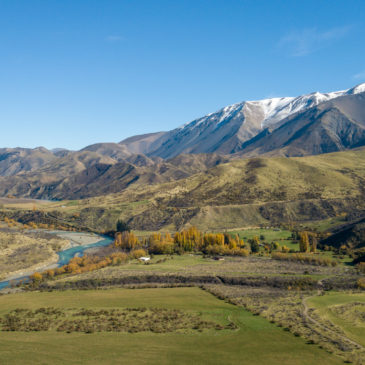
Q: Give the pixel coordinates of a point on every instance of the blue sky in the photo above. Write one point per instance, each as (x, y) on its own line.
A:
(73, 73)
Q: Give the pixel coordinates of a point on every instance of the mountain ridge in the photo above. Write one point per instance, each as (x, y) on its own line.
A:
(331, 126)
(227, 129)
(315, 124)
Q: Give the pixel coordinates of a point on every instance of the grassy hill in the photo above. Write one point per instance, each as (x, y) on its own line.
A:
(240, 193)
(247, 193)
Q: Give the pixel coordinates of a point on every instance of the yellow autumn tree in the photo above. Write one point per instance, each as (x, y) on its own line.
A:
(304, 242)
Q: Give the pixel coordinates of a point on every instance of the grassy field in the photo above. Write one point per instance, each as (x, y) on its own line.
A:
(344, 310)
(197, 265)
(166, 263)
(270, 235)
(256, 341)
(323, 225)
(344, 259)
(20, 203)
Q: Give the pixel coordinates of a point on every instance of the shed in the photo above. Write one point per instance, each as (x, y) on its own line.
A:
(144, 258)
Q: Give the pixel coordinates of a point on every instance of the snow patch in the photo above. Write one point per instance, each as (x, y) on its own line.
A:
(357, 89)
(273, 109)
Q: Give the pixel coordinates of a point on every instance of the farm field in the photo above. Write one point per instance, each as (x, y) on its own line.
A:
(197, 265)
(281, 236)
(243, 345)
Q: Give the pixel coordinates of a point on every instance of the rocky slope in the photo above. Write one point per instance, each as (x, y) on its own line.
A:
(226, 130)
(332, 126)
(86, 174)
(16, 160)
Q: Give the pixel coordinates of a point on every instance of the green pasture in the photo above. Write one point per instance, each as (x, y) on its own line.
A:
(350, 323)
(256, 341)
(281, 236)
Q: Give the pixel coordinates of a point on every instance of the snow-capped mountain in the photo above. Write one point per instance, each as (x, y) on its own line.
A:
(306, 125)
(334, 125)
(227, 129)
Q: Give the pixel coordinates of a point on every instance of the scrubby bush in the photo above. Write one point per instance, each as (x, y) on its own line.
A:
(361, 267)
(255, 244)
(118, 258)
(36, 277)
(130, 320)
(50, 274)
(361, 283)
(161, 247)
(122, 226)
(136, 254)
(304, 258)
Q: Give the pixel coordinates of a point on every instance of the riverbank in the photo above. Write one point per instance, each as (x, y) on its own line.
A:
(49, 264)
(25, 251)
(74, 239)
(78, 239)
(75, 243)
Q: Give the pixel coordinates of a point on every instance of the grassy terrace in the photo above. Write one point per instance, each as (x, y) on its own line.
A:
(347, 311)
(190, 265)
(256, 341)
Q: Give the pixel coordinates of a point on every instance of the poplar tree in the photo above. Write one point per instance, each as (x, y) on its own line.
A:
(304, 242)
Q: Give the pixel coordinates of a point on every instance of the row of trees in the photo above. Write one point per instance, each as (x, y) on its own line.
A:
(78, 265)
(210, 243)
(185, 241)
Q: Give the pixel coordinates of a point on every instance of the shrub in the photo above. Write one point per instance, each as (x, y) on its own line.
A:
(136, 254)
(361, 283)
(238, 252)
(214, 250)
(361, 267)
(255, 244)
(50, 274)
(304, 258)
(118, 258)
(160, 248)
(122, 226)
(36, 277)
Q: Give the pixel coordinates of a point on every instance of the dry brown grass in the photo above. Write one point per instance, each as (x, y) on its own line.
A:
(22, 251)
(132, 320)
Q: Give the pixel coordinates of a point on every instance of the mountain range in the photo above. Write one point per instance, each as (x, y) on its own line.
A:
(310, 124)
(229, 129)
